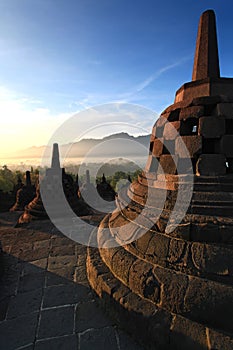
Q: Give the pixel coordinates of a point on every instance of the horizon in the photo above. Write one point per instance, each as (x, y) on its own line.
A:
(89, 54)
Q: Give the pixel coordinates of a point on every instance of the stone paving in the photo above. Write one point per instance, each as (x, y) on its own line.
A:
(45, 298)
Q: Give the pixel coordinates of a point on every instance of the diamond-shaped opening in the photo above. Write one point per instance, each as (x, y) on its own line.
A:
(174, 115)
(151, 147)
(189, 127)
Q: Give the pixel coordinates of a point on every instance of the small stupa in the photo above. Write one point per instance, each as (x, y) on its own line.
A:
(105, 190)
(87, 190)
(24, 194)
(35, 210)
(164, 268)
(18, 186)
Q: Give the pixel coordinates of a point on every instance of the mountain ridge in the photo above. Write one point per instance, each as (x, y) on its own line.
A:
(82, 147)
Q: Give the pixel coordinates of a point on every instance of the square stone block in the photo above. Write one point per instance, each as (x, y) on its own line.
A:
(206, 100)
(224, 109)
(191, 112)
(226, 145)
(171, 130)
(211, 127)
(157, 147)
(211, 165)
(192, 144)
(168, 163)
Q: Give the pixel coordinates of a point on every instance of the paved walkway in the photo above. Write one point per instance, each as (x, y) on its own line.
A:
(45, 298)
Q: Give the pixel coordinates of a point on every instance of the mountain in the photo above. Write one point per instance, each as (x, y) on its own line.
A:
(107, 146)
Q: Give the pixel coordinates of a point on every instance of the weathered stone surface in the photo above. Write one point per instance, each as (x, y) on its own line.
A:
(56, 322)
(177, 250)
(171, 130)
(61, 343)
(193, 146)
(61, 261)
(212, 259)
(191, 112)
(173, 289)
(143, 282)
(225, 110)
(64, 294)
(211, 127)
(19, 331)
(205, 232)
(121, 264)
(24, 303)
(158, 249)
(188, 335)
(168, 164)
(31, 282)
(207, 100)
(211, 165)
(212, 299)
(226, 145)
(206, 62)
(143, 242)
(98, 339)
(157, 149)
(219, 341)
(88, 315)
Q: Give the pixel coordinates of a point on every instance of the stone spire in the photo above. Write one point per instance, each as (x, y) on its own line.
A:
(206, 62)
(28, 178)
(55, 157)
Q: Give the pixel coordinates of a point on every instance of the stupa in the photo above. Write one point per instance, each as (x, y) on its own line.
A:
(18, 186)
(24, 194)
(164, 268)
(35, 210)
(105, 190)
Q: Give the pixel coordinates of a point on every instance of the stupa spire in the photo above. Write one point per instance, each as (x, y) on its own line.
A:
(206, 62)
(55, 157)
(28, 178)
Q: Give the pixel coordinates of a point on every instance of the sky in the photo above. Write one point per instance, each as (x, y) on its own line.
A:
(60, 57)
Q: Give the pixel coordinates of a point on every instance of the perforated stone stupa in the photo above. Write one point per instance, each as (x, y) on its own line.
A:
(35, 210)
(24, 193)
(165, 264)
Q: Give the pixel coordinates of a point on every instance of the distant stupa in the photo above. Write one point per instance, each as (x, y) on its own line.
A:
(168, 277)
(35, 210)
(24, 194)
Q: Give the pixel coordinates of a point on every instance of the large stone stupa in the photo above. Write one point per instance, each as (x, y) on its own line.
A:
(164, 268)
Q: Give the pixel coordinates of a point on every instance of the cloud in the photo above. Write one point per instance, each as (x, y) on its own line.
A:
(144, 84)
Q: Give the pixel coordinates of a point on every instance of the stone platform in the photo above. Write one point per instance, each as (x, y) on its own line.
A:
(45, 298)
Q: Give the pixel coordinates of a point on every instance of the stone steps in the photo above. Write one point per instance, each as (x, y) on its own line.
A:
(150, 324)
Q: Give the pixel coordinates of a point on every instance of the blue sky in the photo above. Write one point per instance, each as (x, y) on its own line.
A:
(59, 57)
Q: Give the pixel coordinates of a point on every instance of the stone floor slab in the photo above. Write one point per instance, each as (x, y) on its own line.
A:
(61, 343)
(18, 332)
(98, 339)
(56, 322)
